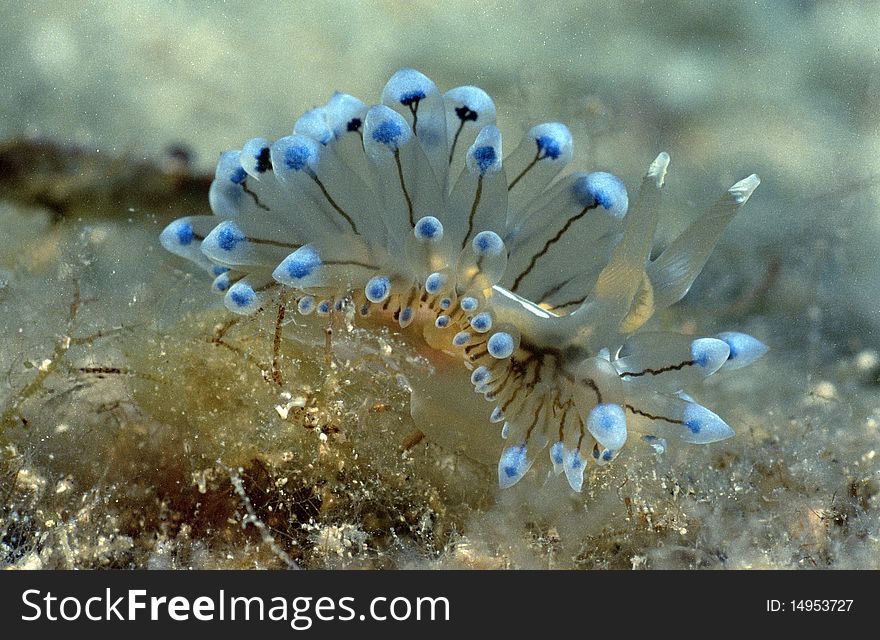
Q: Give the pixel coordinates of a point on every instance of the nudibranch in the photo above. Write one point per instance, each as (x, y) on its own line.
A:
(539, 283)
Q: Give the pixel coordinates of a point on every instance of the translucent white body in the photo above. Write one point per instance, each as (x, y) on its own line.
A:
(538, 283)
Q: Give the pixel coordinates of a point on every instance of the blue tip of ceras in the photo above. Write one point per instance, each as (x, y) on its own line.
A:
(300, 264)
(255, 157)
(434, 282)
(306, 305)
(484, 155)
(298, 156)
(607, 424)
(241, 298)
(548, 146)
(485, 158)
(324, 308)
(344, 114)
(229, 168)
(557, 453)
(238, 176)
(387, 132)
(470, 104)
(461, 338)
(744, 349)
(313, 123)
(709, 353)
(703, 426)
(303, 262)
(221, 283)
(487, 243)
(553, 140)
(184, 233)
(411, 97)
(601, 189)
(228, 235)
(481, 322)
(513, 465)
(500, 345)
(428, 228)
(293, 154)
(574, 466)
(177, 234)
(377, 289)
(407, 87)
(480, 375)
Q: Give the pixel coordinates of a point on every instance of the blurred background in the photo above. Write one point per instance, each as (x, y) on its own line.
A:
(103, 101)
(789, 89)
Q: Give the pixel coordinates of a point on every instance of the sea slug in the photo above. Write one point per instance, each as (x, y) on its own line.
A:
(409, 210)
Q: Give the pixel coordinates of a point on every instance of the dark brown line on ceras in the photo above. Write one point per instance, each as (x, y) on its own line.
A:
(654, 372)
(410, 301)
(254, 196)
(409, 203)
(550, 243)
(592, 384)
(353, 263)
(522, 369)
(529, 385)
(414, 110)
(513, 395)
(475, 345)
(500, 387)
(274, 243)
(570, 302)
(565, 409)
(552, 290)
(334, 205)
(652, 417)
(455, 140)
(535, 418)
(588, 381)
(526, 170)
(474, 206)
